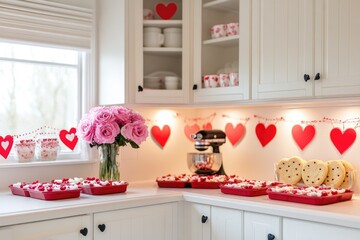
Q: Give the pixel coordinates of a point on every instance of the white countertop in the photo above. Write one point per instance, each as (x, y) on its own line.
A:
(17, 209)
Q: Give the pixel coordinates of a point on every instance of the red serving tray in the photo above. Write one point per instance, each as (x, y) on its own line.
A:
(19, 191)
(244, 192)
(172, 184)
(55, 195)
(104, 189)
(206, 185)
(310, 200)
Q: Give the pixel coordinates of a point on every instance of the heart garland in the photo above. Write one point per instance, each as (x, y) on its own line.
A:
(207, 126)
(234, 134)
(342, 140)
(302, 136)
(265, 134)
(6, 144)
(69, 138)
(188, 130)
(166, 11)
(161, 136)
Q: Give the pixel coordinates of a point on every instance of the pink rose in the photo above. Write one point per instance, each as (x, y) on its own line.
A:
(122, 114)
(135, 131)
(106, 132)
(86, 130)
(103, 115)
(135, 117)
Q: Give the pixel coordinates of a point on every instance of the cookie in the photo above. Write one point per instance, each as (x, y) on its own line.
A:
(314, 172)
(336, 174)
(289, 170)
(349, 175)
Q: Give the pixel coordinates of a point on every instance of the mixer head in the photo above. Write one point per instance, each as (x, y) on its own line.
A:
(209, 138)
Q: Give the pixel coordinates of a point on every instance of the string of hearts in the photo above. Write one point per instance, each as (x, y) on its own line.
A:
(69, 138)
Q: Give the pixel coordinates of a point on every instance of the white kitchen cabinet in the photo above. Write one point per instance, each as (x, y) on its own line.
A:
(158, 222)
(71, 228)
(305, 48)
(298, 230)
(197, 221)
(147, 66)
(226, 224)
(221, 55)
(261, 226)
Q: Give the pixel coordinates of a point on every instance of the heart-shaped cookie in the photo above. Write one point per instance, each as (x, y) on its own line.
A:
(336, 174)
(289, 170)
(314, 172)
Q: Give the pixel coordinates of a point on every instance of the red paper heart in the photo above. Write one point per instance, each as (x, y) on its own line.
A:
(161, 135)
(207, 126)
(342, 140)
(265, 135)
(69, 138)
(302, 136)
(234, 134)
(6, 144)
(166, 12)
(191, 130)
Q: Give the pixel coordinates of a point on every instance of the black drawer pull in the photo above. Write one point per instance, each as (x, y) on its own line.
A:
(204, 219)
(271, 236)
(84, 231)
(102, 227)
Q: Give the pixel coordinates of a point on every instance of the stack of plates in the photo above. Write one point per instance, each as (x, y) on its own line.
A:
(162, 80)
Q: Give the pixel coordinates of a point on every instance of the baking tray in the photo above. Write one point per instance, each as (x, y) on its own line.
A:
(244, 191)
(55, 195)
(104, 189)
(19, 191)
(310, 199)
(173, 184)
(206, 185)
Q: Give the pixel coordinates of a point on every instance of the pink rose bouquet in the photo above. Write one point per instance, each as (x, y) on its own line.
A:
(114, 124)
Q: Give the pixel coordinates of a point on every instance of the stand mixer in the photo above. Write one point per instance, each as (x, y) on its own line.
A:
(207, 163)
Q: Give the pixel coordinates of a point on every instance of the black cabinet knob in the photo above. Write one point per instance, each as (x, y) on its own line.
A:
(204, 219)
(84, 231)
(140, 88)
(270, 236)
(306, 77)
(102, 227)
(194, 86)
(317, 76)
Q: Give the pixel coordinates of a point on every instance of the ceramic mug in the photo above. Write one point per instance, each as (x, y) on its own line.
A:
(173, 37)
(234, 79)
(224, 80)
(153, 37)
(148, 14)
(232, 29)
(211, 81)
(218, 31)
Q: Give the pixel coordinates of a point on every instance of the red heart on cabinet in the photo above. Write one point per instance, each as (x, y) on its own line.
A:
(166, 11)
(207, 126)
(342, 140)
(265, 134)
(234, 134)
(69, 138)
(6, 144)
(302, 136)
(188, 130)
(161, 136)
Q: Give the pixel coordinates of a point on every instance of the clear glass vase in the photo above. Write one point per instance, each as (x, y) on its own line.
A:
(108, 166)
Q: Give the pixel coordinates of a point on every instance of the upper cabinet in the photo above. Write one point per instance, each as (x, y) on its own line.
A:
(305, 48)
(159, 60)
(221, 37)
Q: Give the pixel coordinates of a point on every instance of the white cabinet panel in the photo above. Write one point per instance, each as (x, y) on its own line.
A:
(197, 221)
(157, 222)
(226, 224)
(300, 230)
(259, 226)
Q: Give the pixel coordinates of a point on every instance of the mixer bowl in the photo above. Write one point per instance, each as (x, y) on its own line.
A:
(204, 163)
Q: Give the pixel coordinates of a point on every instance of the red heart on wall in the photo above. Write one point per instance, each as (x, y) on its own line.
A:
(6, 144)
(161, 136)
(234, 134)
(265, 134)
(188, 130)
(207, 126)
(166, 11)
(302, 136)
(69, 138)
(342, 140)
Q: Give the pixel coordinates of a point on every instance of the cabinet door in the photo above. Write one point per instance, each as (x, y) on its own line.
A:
(337, 47)
(59, 229)
(282, 48)
(261, 226)
(151, 222)
(226, 224)
(299, 230)
(197, 221)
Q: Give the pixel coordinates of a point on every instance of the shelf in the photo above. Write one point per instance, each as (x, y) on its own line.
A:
(223, 42)
(162, 23)
(163, 51)
(223, 5)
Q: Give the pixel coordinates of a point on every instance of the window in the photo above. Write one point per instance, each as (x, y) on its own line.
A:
(41, 93)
